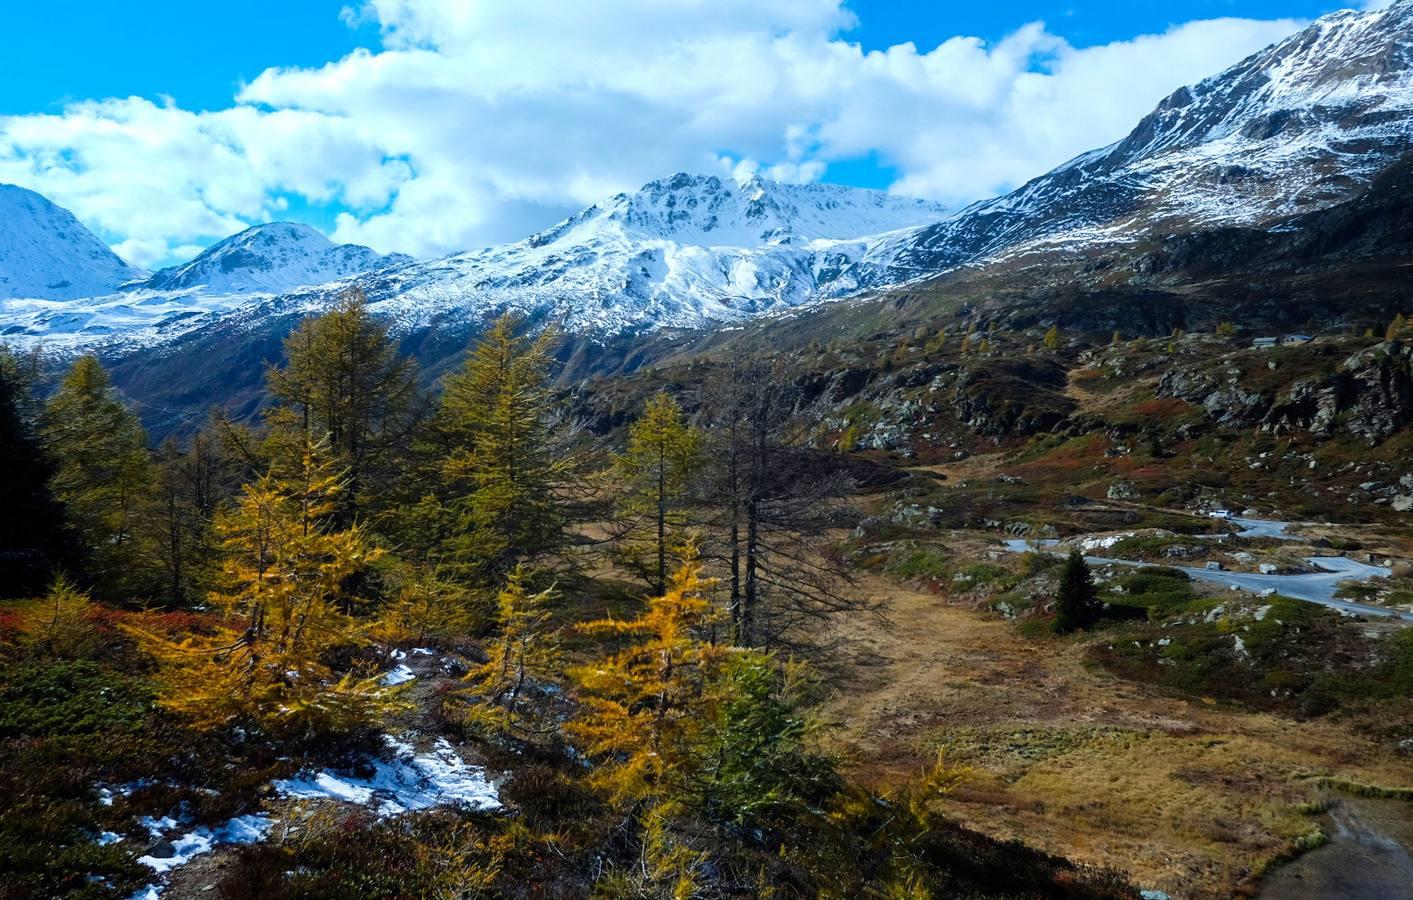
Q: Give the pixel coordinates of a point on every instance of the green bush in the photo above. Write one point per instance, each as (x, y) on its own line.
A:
(69, 697)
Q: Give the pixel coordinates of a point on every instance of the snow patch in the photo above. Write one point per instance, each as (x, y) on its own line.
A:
(410, 781)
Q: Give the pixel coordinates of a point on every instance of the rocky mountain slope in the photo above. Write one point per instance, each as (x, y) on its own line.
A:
(1298, 126)
(46, 253)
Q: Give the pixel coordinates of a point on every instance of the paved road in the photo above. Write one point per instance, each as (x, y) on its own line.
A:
(1315, 587)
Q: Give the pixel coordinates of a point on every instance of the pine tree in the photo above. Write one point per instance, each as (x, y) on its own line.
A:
(1076, 606)
(503, 474)
(345, 383)
(662, 455)
(282, 609)
(102, 472)
(525, 650)
(34, 541)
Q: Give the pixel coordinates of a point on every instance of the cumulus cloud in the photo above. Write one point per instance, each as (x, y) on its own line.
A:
(476, 123)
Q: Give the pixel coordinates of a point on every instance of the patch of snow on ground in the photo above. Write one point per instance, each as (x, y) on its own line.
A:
(246, 829)
(411, 781)
(399, 675)
(1106, 542)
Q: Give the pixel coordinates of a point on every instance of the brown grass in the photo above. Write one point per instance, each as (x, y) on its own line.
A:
(1189, 796)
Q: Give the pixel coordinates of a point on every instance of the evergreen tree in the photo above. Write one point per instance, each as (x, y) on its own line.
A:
(33, 539)
(502, 474)
(345, 383)
(662, 455)
(102, 472)
(1076, 605)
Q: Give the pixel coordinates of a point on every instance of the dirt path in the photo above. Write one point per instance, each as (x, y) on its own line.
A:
(1188, 796)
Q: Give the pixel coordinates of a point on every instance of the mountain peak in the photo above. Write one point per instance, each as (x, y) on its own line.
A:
(713, 211)
(46, 253)
(272, 257)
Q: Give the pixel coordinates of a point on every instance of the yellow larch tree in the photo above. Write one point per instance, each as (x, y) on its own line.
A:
(281, 603)
(525, 652)
(641, 707)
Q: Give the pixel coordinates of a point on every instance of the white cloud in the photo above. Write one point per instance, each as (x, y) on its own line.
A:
(480, 122)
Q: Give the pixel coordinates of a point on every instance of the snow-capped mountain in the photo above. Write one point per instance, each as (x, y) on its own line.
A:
(270, 259)
(260, 262)
(1301, 126)
(1298, 126)
(45, 252)
(681, 251)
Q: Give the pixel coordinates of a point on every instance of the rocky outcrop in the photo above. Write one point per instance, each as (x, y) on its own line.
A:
(1227, 404)
(1380, 387)
(1371, 397)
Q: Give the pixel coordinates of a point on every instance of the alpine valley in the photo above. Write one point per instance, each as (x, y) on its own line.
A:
(731, 537)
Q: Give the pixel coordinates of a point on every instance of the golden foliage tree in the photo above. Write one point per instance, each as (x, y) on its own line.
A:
(642, 705)
(525, 651)
(281, 605)
(344, 382)
(1052, 338)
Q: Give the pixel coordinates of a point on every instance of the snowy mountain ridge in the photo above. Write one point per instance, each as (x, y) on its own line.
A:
(1300, 125)
(261, 261)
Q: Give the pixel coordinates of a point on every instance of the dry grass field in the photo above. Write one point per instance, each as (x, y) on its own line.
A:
(1192, 797)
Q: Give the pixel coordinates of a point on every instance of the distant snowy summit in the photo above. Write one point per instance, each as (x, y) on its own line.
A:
(46, 253)
(681, 251)
(124, 307)
(270, 259)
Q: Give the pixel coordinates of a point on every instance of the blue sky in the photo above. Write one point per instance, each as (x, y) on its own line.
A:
(480, 127)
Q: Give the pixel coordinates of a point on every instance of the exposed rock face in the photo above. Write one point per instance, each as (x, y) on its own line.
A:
(1227, 404)
(1371, 397)
(1380, 384)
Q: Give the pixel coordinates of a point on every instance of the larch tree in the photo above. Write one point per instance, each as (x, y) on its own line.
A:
(524, 653)
(344, 382)
(656, 469)
(777, 503)
(281, 602)
(641, 706)
(102, 471)
(34, 541)
(502, 473)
